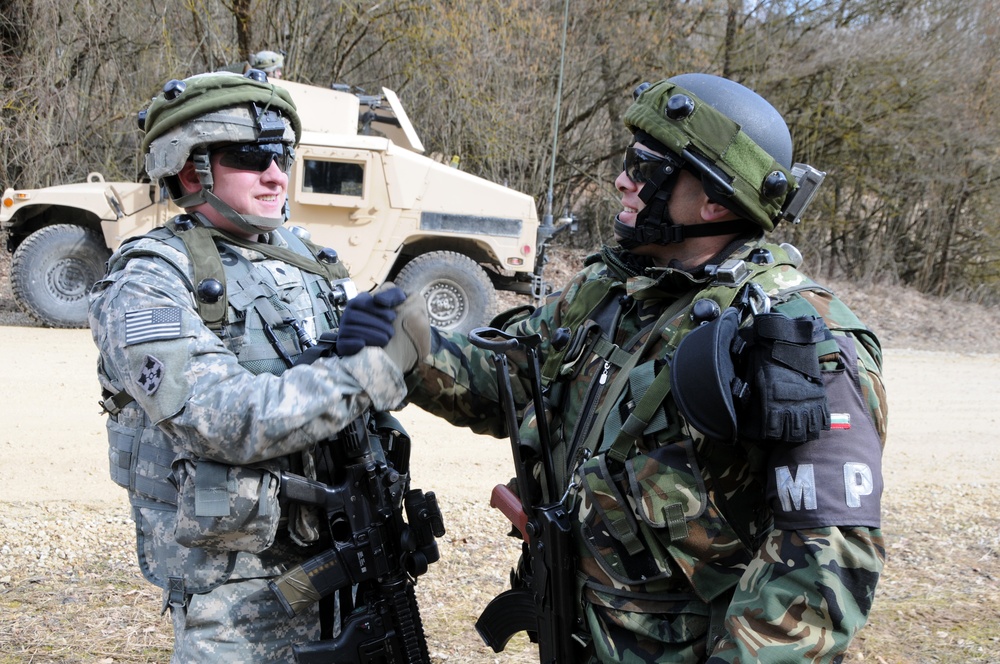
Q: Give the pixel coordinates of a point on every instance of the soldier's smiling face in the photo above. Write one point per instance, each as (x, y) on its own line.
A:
(251, 192)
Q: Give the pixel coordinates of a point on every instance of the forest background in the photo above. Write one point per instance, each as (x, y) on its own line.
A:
(897, 100)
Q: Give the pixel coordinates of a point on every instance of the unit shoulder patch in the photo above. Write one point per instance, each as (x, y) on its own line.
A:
(150, 376)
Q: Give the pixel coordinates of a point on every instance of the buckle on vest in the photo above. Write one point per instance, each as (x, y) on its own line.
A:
(112, 404)
(732, 272)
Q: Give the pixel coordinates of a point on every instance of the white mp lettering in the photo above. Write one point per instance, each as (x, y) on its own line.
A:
(798, 492)
(857, 482)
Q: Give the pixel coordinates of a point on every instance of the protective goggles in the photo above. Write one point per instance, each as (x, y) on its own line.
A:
(256, 156)
(640, 165)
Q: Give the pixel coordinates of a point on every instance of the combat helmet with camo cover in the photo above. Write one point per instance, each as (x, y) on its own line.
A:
(193, 116)
(733, 139)
(268, 62)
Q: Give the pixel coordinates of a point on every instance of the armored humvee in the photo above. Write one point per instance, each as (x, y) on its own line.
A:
(360, 184)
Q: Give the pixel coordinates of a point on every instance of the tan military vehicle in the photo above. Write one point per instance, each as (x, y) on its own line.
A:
(360, 185)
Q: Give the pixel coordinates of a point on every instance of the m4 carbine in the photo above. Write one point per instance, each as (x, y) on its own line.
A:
(541, 600)
(375, 553)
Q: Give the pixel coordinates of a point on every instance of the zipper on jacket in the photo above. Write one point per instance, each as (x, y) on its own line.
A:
(587, 416)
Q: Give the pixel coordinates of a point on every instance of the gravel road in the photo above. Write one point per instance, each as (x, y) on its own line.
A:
(944, 414)
(70, 591)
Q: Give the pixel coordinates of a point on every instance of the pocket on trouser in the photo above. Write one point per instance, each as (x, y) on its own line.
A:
(240, 621)
(226, 508)
(626, 628)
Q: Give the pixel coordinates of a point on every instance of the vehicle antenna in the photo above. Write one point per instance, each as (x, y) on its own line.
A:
(547, 219)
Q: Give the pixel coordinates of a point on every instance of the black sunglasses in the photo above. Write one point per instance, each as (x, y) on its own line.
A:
(256, 156)
(640, 165)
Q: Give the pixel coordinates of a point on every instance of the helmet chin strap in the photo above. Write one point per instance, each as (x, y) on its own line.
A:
(248, 223)
(653, 224)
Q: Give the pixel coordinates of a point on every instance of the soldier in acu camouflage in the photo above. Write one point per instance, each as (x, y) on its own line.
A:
(199, 325)
(717, 416)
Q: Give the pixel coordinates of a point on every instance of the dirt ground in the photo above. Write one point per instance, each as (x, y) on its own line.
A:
(939, 600)
(944, 414)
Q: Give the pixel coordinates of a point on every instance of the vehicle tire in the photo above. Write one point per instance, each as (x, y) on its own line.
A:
(52, 271)
(459, 294)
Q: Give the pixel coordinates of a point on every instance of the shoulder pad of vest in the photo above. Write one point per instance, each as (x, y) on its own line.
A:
(160, 243)
(822, 303)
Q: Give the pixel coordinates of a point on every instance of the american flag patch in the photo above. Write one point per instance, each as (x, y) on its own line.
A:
(840, 420)
(152, 324)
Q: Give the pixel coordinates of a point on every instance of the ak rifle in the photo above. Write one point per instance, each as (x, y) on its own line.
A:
(541, 600)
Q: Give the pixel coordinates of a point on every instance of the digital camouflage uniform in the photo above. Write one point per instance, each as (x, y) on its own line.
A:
(203, 410)
(216, 395)
(774, 545)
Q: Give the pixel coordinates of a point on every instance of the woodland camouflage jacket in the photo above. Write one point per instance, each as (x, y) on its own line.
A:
(679, 521)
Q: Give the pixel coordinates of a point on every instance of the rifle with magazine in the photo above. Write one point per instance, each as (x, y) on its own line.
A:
(541, 600)
(375, 553)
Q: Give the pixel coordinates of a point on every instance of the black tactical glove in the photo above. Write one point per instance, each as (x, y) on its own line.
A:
(367, 320)
(786, 400)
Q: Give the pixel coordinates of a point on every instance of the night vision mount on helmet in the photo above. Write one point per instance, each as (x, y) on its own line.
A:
(733, 139)
(191, 117)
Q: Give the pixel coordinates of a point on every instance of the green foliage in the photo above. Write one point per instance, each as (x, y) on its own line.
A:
(895, 99)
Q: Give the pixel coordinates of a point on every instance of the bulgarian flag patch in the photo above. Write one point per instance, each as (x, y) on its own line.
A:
(840, 420)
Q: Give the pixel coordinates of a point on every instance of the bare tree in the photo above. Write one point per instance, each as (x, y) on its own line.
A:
(896, 99)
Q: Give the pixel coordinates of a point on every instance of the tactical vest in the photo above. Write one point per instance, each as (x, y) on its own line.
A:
(592, 311)
(262, 312)
(610, 438)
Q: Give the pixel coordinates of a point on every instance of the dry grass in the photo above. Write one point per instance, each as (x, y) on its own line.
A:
(939, 600)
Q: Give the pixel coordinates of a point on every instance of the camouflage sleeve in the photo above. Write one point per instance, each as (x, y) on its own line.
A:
(843, 321)
(803, 597)
(193, 387)
(809, 588)
(458, 381)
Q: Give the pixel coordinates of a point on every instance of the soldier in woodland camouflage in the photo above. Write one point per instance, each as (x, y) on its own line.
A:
(717, 417)
(199, 325)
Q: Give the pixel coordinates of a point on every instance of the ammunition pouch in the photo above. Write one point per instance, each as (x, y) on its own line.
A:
(650, 522)
(226, 508)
